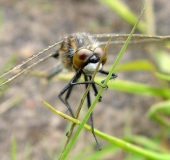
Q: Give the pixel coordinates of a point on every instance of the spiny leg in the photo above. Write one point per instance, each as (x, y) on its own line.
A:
(66, 100)
(95, 90)
(91, 115)
(69, 88)
(106, 73)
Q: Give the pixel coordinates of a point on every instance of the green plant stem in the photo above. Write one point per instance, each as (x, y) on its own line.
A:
(113, 140)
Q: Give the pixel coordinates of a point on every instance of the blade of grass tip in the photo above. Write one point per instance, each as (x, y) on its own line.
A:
(54, 110)
(113, 140)
(70, 145)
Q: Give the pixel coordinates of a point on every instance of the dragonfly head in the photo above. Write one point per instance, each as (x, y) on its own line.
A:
(88, 59)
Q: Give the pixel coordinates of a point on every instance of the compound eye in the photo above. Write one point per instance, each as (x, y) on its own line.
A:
(98, 52)
(81, 57)
(84, 54)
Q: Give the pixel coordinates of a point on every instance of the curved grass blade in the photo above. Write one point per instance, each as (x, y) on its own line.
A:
(113, 140)
(137, 88)
(124, 11)
(160, 112)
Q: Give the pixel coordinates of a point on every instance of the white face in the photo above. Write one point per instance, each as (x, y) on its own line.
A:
(90, 68)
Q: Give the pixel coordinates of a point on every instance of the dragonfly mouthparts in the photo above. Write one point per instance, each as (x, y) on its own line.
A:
(94, 59)
(91, 67)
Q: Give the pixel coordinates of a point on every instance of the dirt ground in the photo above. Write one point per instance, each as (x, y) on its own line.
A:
(28, 27)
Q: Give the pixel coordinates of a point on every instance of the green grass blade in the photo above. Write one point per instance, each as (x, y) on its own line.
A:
(123, 10)
(113, 140)
(147, 143)
(27, 151)
(163, 60)
(136, 88)
(163, 76)
(14, 149)
(106, 151)
(141, 64)
(160, 112)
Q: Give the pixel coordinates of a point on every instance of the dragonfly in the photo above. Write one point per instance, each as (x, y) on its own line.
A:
(80, 53)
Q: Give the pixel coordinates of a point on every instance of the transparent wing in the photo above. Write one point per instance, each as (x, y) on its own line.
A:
(20, 82)
(21, 71)
(24, 75)
(103, 39)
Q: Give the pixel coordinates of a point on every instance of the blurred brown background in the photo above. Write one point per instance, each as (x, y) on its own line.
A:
(30, 26)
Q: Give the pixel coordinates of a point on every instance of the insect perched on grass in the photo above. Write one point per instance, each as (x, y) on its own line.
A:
(81, 53)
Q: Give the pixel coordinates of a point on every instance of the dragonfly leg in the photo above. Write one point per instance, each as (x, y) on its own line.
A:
(69, 88)
(106, 73)
(91, 115)
(95, 90)
(66, 100)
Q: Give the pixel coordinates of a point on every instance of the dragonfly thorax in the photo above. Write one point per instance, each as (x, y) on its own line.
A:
(81, 51)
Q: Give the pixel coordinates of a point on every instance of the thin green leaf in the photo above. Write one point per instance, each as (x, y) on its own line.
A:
(163, 60)
(113, 140)
(27, 151)
(141, 64)
(163, 76)
(124, 11)
(136, 88)
(147, 143)
(106, 151)
(83, 153)
(160, 112)
(14, 149)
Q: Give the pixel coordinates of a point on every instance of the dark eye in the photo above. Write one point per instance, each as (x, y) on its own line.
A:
(98, 52)
(84, 54)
